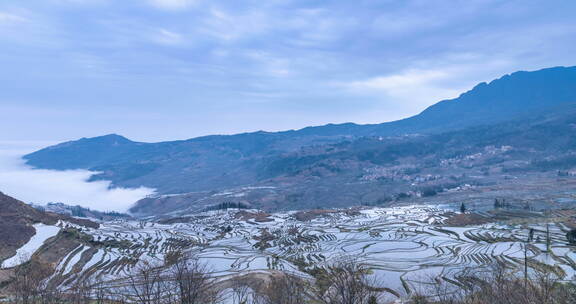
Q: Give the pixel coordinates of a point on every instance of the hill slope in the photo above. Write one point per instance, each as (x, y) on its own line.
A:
(16, 220)
(220, 162)
(511, 96)
(380, 170)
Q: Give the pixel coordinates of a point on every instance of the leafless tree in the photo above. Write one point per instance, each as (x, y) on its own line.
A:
(284, 288)
(29, 284)
(80, 292)
(501, 284)
(241, 293)
(347, 282)
(193, 282)
(100, 293)
(146, 285)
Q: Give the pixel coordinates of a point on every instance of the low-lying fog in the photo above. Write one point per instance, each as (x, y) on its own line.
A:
(70, 187)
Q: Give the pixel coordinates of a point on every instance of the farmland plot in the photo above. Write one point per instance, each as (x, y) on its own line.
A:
(403, 246)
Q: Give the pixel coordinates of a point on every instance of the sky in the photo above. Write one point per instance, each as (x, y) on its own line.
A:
(155, 70)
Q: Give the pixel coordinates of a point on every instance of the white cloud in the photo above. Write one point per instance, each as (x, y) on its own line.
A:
(80, 2)
(229, 27)
(413, 87)
(406, 78)
(270, 64)
(6, 18)
(167, 37)
(172, 4)
(391, 25)
(69, 187)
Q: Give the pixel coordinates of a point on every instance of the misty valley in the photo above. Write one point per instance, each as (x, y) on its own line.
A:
(287, 152)
(425, 210)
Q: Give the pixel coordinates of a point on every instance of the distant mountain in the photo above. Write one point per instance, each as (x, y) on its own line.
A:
(380, 170)
(476, 119)
(509, 97)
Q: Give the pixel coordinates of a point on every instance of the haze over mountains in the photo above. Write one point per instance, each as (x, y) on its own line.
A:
(509, 125)
(503, 155)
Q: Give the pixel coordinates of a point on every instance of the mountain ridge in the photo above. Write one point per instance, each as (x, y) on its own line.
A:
(217, 162)
(552, 73)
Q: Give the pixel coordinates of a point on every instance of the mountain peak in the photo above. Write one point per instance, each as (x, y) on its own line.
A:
(109, 138)
(218, 162)
(78, 151)
(508, 97)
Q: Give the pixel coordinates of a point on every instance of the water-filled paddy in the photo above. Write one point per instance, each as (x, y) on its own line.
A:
(403, 245)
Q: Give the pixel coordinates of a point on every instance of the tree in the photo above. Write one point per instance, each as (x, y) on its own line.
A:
(501, 203)
(193, 283)
(499, 283)
(571, 236)
(146, 284)
(372, 300)
(29, 285)
(463, 208)
(284, 288)
(548, 239)
(346, 282)
(80, 292)
(241, 292)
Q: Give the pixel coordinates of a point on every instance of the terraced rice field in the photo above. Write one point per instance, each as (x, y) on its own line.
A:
(404, 246)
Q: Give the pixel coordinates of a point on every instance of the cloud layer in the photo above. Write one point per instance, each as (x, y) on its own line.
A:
(166, 69)
(69, 187)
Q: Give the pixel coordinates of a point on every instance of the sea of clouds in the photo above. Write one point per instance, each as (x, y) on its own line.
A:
(70, 187)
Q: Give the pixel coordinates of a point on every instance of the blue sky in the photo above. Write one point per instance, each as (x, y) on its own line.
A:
(172, 69)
